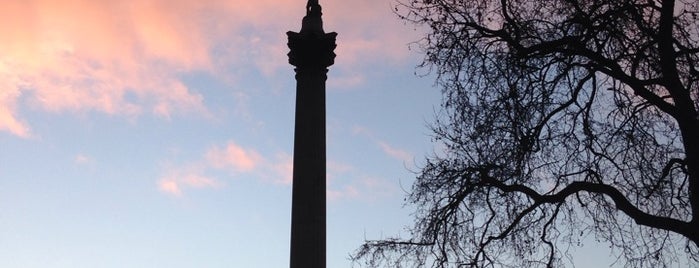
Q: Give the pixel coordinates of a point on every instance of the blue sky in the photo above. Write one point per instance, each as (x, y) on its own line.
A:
(159, 133)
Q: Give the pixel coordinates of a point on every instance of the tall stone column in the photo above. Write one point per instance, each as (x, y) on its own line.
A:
(312, 54)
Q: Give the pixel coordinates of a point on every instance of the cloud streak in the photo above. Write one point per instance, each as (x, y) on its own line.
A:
(235, 157)
(395, 153)
(178, 179)
(347, 186)
(232, 159)
(8, 118)
(386, 148)
(82, 159)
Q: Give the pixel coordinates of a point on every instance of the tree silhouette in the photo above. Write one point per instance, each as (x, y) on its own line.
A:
(562, 120)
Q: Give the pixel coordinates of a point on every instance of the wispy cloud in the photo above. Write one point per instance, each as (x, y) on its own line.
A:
(347, 192)
(170, 186)
(177, 179)
(396, 153)
(221, 165)
(388, 149)
(231, 158)
(82, 159)
(8, 118)
(237, 159)
(346, 182)
(283, 169)
(234, 157)
(350, 186)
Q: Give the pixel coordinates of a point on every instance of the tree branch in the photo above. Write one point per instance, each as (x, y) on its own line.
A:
(621, 202)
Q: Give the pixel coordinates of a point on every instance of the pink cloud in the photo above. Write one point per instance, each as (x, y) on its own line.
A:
(388, 149)
(235, 160)
(82, 159)
(362, 187)
(377, 187)
(360, 130)
(8, 119)
(283, 169)
(170, 187)
(348, 192)
(79, 55)
(342, 184)
(335, 167)
(176, 180)
(346, 81)
(235, 157)
(345, 183)
(199, 181)
(126, 57)
(232, 158)
(396, 153)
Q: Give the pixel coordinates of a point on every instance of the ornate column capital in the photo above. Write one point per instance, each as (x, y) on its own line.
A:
(311, 50)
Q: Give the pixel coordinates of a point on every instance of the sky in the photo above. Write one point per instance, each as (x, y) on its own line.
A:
(160, 133)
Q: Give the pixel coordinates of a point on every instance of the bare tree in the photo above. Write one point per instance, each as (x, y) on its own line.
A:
(561, 119)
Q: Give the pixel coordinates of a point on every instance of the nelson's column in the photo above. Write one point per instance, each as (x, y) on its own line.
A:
(312, 54)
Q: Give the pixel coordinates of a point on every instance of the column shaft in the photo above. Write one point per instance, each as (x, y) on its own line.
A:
(308, 200)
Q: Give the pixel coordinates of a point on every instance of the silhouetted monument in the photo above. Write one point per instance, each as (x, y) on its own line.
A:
(312, 54)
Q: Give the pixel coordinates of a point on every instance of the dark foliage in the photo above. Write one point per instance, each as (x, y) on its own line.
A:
(561, 119)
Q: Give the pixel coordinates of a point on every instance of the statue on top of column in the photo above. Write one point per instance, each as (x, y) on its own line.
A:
(311, 5)
(312, 22)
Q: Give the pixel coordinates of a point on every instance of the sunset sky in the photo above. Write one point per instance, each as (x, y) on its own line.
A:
(159, 133)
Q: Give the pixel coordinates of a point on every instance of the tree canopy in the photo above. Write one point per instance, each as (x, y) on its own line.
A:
(562, 120)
